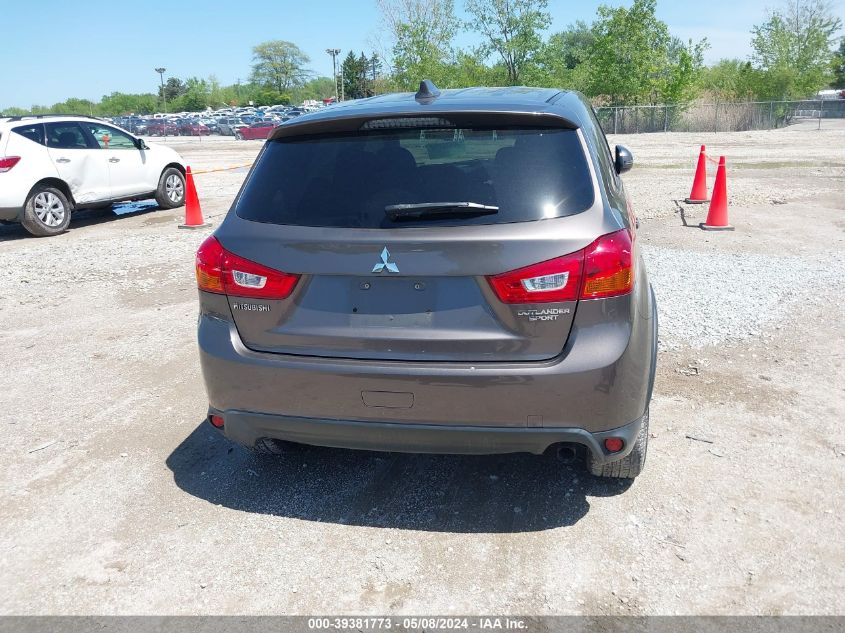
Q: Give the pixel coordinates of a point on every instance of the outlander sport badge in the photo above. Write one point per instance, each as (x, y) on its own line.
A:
(384, 263)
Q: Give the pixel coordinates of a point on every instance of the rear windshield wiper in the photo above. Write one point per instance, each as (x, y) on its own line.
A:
(422, 210)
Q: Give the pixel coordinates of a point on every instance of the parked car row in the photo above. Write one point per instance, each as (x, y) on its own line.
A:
(226, 122)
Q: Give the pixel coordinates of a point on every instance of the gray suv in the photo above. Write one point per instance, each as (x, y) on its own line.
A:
(447, 272)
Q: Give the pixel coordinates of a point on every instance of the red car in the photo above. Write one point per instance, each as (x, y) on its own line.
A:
(258, 130)
(193, 128)
(162, 127)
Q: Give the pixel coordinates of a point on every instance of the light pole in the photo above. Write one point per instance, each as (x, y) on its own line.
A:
(334, 52)
(161, 72)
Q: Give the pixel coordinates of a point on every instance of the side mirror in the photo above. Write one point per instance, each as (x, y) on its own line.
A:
(624, 159)
(140, 144)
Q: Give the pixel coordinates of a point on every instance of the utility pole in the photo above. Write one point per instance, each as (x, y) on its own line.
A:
(334, 52)
(161, 72)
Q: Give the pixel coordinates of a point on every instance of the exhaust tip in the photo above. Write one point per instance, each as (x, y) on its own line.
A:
(566, 454)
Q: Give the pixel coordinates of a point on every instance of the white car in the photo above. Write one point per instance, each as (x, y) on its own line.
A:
(52, 165)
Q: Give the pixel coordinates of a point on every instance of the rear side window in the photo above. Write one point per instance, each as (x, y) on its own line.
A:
(347, 180)
(33, 132)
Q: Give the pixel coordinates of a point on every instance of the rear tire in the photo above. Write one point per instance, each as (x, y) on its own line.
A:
(171, 189)
(268, 446)
(628, 467)
(239, 136)
(46, 212)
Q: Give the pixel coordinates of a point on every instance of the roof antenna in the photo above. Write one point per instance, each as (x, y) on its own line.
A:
(428, 92)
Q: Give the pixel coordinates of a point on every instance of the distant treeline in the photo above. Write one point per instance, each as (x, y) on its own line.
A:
(625, 56)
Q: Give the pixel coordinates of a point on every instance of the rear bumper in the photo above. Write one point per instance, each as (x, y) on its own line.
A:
(601, 381)
(246, 428)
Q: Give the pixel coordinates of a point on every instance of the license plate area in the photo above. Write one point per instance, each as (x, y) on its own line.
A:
(398, 302)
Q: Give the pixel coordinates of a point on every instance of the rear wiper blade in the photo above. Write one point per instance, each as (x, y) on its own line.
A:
(421, 210)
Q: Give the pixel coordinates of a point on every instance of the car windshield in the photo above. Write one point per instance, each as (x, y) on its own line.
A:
(349, 180)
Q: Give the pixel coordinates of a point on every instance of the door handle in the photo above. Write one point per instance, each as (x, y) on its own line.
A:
(114, 160)
(62, 160)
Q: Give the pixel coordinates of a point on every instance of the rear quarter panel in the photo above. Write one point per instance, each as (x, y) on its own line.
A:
(35, 165)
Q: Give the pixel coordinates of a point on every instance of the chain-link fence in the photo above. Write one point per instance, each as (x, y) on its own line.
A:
(717, 117)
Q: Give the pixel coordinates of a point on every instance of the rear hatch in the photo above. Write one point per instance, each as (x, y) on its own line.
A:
(400, 241)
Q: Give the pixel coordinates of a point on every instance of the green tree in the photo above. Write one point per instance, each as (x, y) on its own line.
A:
(261, 95)
(354, 71)
(634, 59)
(13, 111)
(422, 32)
(173, 89)
(119, 103)
(195, 97)
(374, 66)
(220, 96)
(730, 80)
(571, 47)
(279, 65)
(75, 106)
(679, 79)
(794, 48)
(839, 67)
(563, 60)
(470, 70)
(318, 88)
(512, 29)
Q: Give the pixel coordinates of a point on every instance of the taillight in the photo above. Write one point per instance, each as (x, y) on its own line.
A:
(553, 280)
(222, 272)
(603, 269)
(7, 162)
(608, 266)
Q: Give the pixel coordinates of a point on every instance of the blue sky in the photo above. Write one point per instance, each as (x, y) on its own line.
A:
(69, 49)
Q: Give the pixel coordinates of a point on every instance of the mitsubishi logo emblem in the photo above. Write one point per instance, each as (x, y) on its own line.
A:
(384, 263)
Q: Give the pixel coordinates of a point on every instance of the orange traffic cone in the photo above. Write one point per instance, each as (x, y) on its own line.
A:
(717, 214)
(698, 194)
(193, 212)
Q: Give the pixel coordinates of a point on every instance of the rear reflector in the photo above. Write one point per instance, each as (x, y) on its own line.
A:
(216, 421)
(222, 272)
(603, 269)
(614, 444)
(7, 162)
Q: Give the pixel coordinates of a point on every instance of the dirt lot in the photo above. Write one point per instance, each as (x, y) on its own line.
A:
(117, 499)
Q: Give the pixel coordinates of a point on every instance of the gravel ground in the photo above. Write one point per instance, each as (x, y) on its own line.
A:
(117, 499)
(712, 298)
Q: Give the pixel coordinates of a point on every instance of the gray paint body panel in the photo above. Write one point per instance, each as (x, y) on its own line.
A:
(600, 381)
(312, 357)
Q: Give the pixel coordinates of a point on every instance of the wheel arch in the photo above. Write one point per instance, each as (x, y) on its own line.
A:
(59, 184)
(178, 166)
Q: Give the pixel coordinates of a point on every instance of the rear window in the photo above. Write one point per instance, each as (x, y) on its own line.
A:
(346, 181)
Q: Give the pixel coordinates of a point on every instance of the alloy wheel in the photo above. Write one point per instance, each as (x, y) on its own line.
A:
(49, 208)
(174, 188)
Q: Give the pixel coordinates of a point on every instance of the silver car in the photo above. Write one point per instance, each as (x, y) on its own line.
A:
(449, 272)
